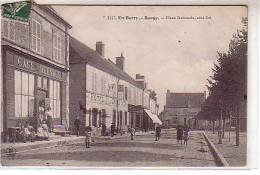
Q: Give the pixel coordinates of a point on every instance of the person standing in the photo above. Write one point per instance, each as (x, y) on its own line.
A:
(77, 125)
(88, 136)
(179, 134)
(103, 130)
(112, 129)
(157, 133)
(132, 132)
(186, 136)
(48, 114)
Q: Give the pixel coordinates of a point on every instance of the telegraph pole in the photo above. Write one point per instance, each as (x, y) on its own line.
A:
(220, 124)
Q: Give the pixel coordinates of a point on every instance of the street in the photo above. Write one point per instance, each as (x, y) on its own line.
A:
(143, 151)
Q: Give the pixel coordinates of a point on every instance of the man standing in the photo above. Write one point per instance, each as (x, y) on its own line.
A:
(179, 134)
(112, 129)
(77, 125)
(157, 133)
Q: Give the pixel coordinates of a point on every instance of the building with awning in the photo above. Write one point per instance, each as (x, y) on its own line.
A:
(153, 117)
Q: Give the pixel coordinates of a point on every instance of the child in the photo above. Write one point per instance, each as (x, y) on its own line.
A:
(88, 137)
(132, 132)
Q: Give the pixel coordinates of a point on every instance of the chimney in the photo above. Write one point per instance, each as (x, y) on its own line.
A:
(168, 98)
(141, 80)
(100, 48)
(120, 62)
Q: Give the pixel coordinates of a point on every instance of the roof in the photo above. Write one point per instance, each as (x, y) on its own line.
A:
(79, 52)
(51, 10)
(179, 100)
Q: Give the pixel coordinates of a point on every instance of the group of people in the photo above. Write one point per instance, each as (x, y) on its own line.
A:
(182, 134)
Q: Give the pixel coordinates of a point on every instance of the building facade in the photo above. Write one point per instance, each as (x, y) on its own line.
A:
(35, 66)
(101, 92)
(181, 108)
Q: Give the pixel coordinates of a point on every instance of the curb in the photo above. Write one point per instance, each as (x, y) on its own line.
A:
(59, 142)
(219, 159)
(41, 144)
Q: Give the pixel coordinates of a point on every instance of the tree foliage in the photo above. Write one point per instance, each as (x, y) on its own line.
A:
(228, 84)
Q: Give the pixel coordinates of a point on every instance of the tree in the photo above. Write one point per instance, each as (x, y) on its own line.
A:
(227, 86)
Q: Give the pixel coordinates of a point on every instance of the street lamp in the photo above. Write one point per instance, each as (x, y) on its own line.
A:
(117, 117)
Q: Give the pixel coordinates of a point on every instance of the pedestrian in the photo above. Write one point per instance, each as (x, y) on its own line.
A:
(132, 132)
(157, 133)
(88, 136)
(77, 125)
(48, 114)
(179, 134)
(112, 129)
(186, 136)
(103, 130)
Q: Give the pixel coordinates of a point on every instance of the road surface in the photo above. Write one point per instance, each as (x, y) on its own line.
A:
(143, 151)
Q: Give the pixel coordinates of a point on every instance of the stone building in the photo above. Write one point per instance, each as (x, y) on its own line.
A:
(35, 65)
(101, 92)
(181, 108)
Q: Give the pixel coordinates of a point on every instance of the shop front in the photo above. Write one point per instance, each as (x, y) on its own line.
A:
(32, 88)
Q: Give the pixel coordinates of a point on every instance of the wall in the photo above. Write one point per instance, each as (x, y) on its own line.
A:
(19, 33)
(77, 89)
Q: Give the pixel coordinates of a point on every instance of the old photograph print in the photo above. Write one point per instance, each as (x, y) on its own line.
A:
(123, 86)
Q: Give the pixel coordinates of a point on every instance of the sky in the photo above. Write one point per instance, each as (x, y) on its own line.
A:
(176, 54)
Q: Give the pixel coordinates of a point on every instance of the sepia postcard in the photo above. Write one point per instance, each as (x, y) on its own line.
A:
(124, 86)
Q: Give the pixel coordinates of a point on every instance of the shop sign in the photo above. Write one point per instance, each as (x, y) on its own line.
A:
(37, 68)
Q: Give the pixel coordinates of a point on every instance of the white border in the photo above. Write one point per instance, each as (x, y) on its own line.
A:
(253, 84)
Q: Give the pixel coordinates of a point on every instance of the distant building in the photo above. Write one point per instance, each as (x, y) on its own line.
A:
(181, 108)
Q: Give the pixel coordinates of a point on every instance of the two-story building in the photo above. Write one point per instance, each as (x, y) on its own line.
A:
(35, 64)
(101, 92)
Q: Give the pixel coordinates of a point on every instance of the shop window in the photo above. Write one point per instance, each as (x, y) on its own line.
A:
(35, 36)
(42, 83)
(54, 96)
(24, 94)
(57, 44)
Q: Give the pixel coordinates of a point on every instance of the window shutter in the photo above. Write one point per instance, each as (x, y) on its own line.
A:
(5, 27)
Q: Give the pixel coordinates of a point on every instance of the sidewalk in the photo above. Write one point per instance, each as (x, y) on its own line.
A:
(234, 155)
(56, 140)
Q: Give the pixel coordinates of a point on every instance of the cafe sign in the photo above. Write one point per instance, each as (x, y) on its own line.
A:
(33, 66)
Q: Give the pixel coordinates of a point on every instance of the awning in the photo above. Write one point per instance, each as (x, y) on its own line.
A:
(154, 117)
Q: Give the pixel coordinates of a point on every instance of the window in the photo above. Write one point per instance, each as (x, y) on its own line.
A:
(94, 81)
(57, 44)
(125, 118)
(42, 83)
(35, 36)
(24, 94)
(9, 29)
(125, 93)
(54, 95)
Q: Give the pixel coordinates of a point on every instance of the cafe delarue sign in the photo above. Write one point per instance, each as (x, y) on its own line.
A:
(38, 68)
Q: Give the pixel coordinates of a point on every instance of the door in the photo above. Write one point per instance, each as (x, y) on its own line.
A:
(41, 96)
